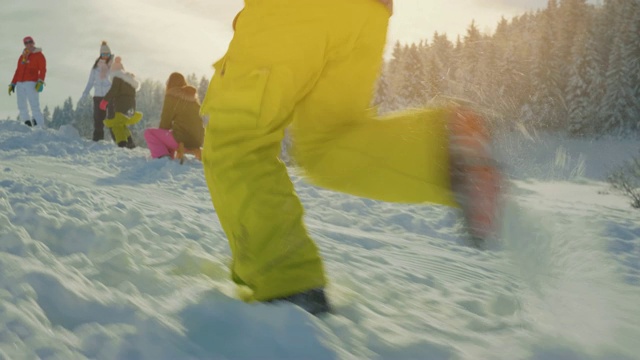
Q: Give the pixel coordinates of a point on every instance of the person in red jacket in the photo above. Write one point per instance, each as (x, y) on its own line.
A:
(28, 82)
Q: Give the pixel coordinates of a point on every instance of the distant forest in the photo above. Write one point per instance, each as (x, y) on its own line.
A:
(571, 67)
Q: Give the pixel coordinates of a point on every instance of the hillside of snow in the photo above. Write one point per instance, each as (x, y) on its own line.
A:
(108, 254)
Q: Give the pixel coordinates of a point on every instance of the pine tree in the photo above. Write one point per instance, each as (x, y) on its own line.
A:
(149, 100)
(619, 110)
(192, 80)
(577, 93)
(585, 95)
(441, 67)
(382, 98)
(488, 81)
(46, 114)
(547, 105)
(62, 116)
(394, 72)
(434, 81)
(570, 24)
(56, 118)
(634, 62)
(203, 86)
(413, 91)
(511, 72)
(469, 58)
(83, 117)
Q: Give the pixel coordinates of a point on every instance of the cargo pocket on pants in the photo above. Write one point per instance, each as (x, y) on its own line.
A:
(235, 95)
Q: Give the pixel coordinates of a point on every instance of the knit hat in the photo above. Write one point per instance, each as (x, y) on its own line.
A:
(104, 48)
(28, 38)
(117, 64)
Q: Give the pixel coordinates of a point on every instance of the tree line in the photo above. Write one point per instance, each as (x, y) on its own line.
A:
(570, 67)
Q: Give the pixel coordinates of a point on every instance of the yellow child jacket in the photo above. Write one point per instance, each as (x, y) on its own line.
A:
(119, 125)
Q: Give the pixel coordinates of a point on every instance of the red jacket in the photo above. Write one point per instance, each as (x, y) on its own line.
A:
(31, 67)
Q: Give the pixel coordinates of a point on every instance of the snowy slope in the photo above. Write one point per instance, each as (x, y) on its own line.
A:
(107, 254)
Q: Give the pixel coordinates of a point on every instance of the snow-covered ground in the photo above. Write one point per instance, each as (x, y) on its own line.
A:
(107, 254)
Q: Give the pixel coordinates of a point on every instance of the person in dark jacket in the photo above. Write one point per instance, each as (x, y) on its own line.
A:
(122, 95)
(180, 121)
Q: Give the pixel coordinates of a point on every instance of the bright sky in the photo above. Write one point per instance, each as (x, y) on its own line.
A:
(416, 19)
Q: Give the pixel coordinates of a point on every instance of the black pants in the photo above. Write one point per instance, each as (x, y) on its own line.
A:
(129, 144)
(98, 117)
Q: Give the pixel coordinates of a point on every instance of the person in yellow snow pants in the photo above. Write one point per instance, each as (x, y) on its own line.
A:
(310, 65)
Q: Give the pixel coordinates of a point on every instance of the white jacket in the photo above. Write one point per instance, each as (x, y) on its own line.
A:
(100, 86)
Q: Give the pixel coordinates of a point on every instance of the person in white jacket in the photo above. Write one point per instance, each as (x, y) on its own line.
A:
(100, 82)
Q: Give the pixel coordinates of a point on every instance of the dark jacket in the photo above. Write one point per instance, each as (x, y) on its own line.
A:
(123, 92)
(181, 115)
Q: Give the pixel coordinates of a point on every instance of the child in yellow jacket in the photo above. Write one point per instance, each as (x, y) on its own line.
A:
(122, 95)
(315, 75)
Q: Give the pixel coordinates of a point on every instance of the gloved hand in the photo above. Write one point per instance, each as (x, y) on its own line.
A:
(12, 88)
(40, 85)
(103, 104)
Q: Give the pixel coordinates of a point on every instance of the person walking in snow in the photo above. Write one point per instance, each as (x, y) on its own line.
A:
(316, 76)
(180, 121)
(122, 95)
(100, 82)
(28, 82)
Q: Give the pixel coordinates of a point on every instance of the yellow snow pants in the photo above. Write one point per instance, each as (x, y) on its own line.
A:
(310, 65)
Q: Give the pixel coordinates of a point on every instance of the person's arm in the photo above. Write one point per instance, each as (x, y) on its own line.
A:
(87, 88)
(42, 67)
(15, 75)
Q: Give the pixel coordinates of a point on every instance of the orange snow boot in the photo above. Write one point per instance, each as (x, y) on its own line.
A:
(476, 179)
